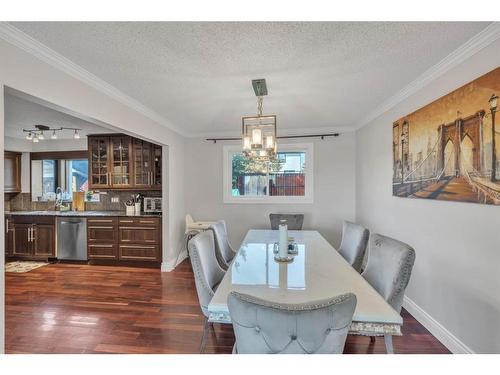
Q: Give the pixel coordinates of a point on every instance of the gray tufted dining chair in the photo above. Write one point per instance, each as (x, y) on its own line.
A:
(223, 250)
(389, 268)
(353, 245)
(293, 221)
(207, 273)
(263, 327)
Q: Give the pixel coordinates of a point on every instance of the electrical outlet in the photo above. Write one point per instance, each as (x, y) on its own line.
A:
(115, 199)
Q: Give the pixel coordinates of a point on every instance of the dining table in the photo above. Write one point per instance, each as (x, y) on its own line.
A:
(316, 272)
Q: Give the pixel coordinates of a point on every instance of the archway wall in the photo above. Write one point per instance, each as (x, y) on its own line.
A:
(39, 74)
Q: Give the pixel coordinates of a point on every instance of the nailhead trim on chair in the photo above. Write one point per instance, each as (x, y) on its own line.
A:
(197, 271)
(293, 307)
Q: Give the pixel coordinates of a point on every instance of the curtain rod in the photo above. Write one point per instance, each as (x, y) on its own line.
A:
(322, 136)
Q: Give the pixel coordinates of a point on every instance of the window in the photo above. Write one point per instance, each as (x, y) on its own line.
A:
(47, 175)
(289, 179)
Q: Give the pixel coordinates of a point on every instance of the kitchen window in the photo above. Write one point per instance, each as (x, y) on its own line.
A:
(71, 175)
(288, 179)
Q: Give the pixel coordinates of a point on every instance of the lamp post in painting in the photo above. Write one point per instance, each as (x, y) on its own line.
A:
(493, 108)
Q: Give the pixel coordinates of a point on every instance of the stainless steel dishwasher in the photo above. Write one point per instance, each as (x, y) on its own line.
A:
(72, 238)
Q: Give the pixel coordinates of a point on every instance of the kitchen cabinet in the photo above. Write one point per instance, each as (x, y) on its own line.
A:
(8, 236)
(139, 239)
(102, 235)
(12, 172)
(143, 163)
(44, 239)
(22, 239)
(33, 237)
(99, 162)
(124, 239)
(123, 162)
(157, 165)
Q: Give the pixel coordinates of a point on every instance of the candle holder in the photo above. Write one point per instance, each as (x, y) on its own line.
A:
(287, 259)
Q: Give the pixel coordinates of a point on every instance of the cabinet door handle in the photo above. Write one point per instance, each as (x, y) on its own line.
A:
(101, 245)
(101, 227)
(100, 220)
(29, 231)
(138, 247)
(7, 226)
(138, 228)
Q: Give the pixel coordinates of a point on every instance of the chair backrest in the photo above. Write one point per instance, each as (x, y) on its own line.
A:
(353, 245)
(189, 222)
(389, 268)
(263, 327)
(293, 221)
(223, 250)
(207, 272)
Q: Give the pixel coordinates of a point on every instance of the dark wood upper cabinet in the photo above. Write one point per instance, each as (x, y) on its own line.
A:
(142, 162)
(123, 162)
(157, 165)
(12, 172)
(99, 162)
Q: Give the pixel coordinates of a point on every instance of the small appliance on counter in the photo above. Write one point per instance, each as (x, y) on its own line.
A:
(152, 205)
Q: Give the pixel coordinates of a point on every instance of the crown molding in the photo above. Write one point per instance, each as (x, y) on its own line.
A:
(478, 42)
(281, 132)
(25, 42)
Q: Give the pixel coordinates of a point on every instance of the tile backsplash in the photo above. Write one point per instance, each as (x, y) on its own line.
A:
(23, 202)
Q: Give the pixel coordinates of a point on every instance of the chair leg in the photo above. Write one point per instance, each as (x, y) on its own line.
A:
(388, 344)
(206, 327)
(372, 339)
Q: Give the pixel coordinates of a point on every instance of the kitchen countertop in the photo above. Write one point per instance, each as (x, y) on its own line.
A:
(75, 213)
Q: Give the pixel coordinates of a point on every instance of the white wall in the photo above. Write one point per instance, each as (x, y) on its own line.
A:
(334, 172)
(456, 278)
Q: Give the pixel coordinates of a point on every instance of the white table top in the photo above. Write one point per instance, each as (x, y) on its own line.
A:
(317, 272)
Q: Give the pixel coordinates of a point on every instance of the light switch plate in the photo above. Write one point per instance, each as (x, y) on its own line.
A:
(115, 199)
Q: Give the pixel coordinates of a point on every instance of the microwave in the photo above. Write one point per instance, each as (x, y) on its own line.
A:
(152, 205)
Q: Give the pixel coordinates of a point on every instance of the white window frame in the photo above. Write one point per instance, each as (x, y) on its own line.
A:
(230, 150)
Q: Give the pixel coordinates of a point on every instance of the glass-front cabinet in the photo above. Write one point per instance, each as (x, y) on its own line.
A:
(120, 172)
(156, 172)
(124, 162)
(99, 162)
(142, 162)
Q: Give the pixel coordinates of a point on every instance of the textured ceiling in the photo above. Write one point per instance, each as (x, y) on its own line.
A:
(197, 75)
(22, 114)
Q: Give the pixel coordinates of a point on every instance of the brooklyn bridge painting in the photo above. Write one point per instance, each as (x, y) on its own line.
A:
(450, 149)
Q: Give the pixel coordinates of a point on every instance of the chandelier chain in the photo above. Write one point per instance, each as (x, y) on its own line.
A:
(260, 101)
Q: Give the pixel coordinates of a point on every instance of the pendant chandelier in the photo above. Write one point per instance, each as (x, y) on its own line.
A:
(258, 133)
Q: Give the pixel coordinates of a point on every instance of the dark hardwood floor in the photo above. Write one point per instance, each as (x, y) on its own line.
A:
(68, 308)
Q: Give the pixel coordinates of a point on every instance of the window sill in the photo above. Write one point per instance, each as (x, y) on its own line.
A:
(288, 200)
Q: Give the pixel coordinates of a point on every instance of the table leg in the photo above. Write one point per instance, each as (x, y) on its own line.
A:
(388, 344)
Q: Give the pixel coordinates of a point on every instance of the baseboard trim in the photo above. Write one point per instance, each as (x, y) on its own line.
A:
(441, 333)
(170, 266)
